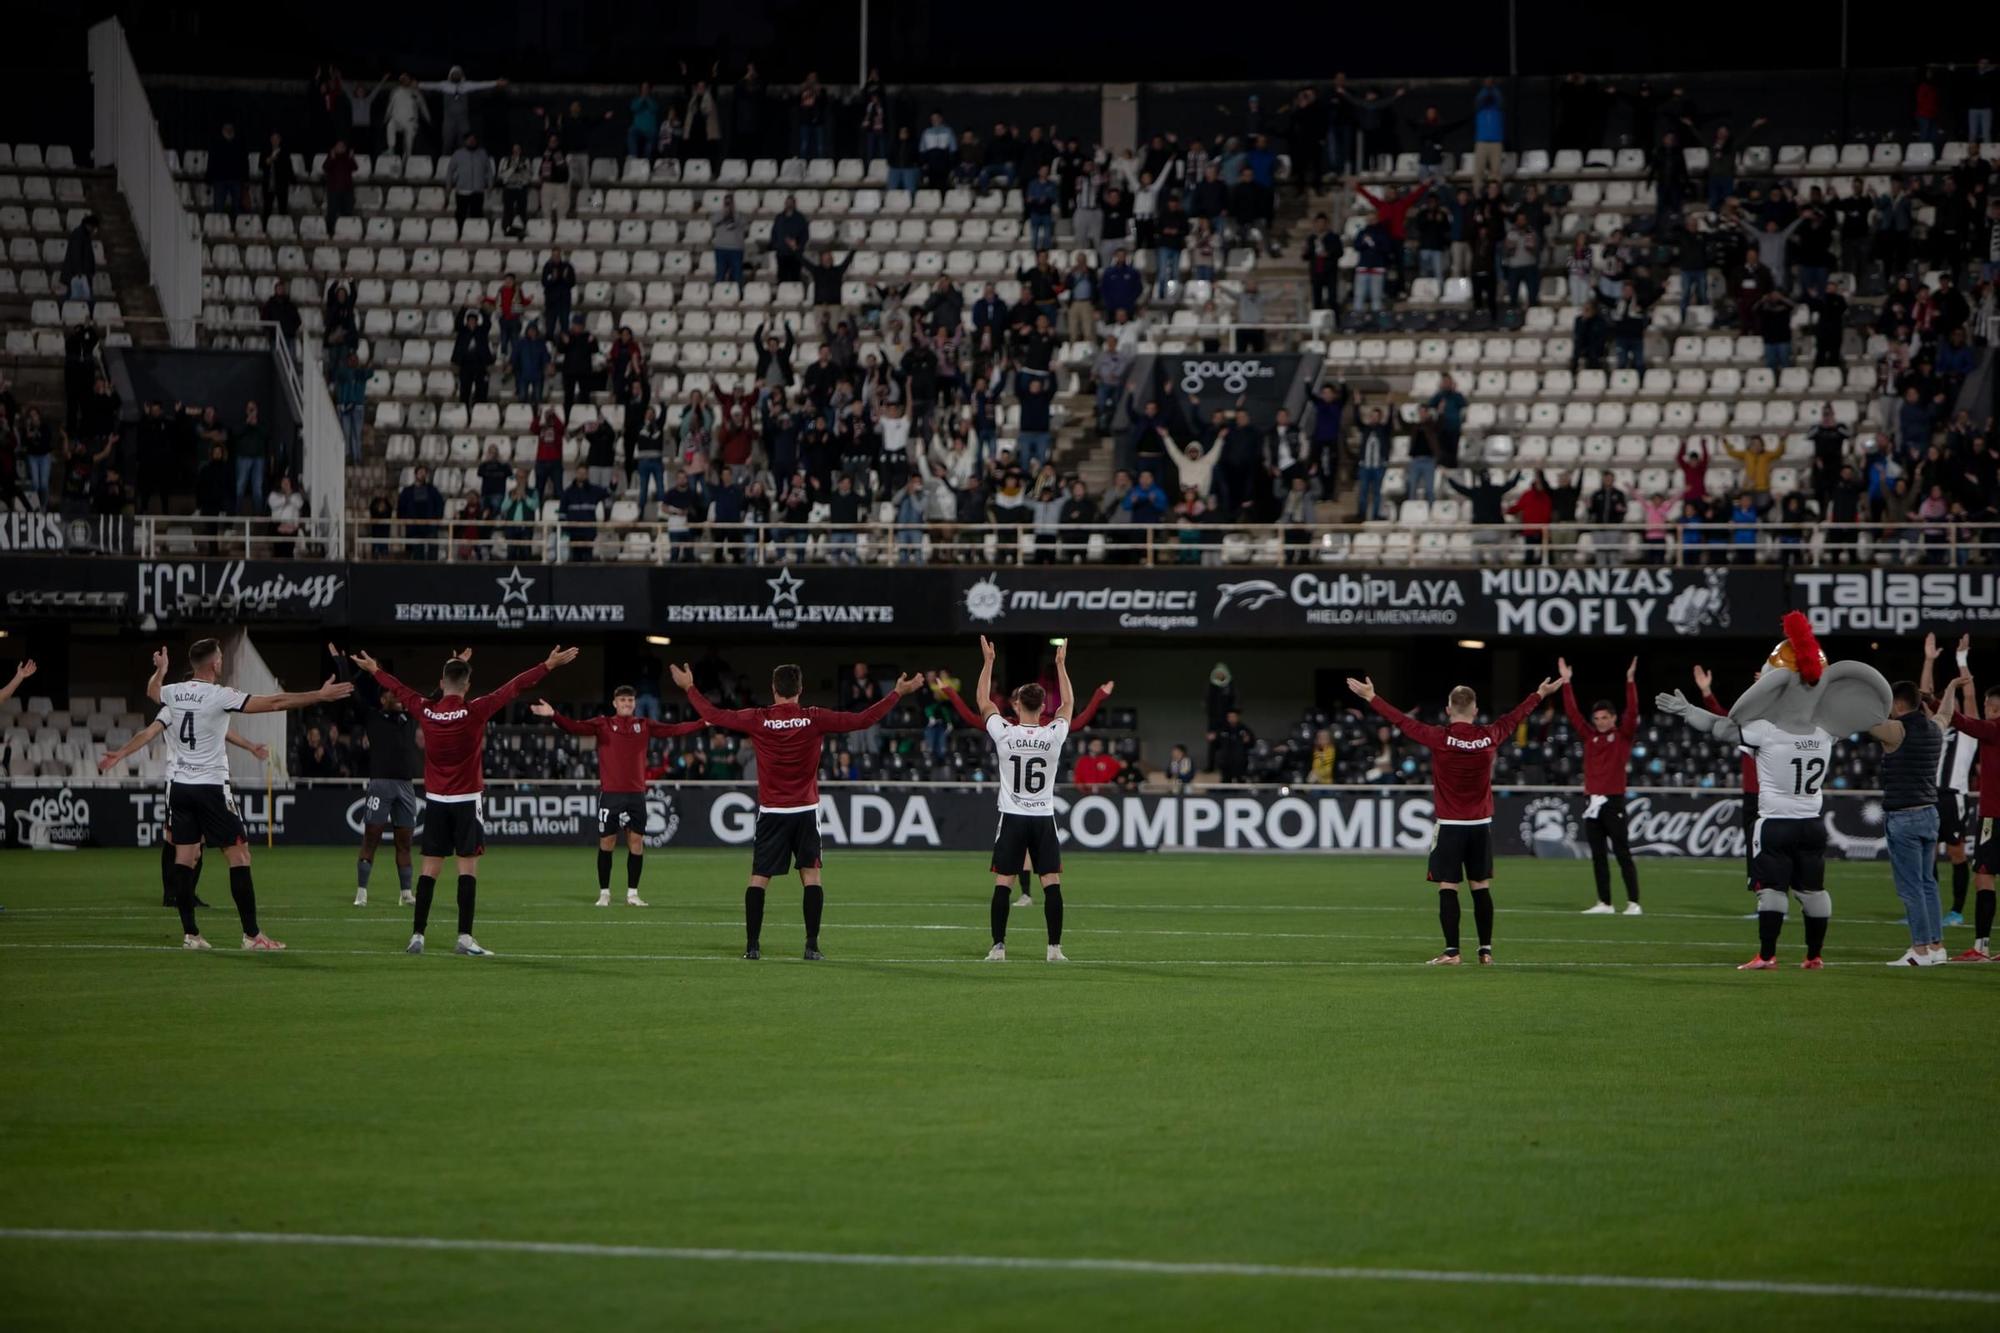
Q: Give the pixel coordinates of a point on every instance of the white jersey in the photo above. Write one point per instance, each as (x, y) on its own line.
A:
(1791, 769)
(1029, 758)
(197, 716)
(1955, 759)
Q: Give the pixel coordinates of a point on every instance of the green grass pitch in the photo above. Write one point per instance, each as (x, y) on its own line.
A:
(1245, 1064)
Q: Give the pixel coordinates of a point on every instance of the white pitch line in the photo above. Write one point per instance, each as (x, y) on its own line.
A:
(1019, 1263)
(865, 960)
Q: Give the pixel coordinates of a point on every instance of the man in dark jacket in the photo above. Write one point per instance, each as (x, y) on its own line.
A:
(1322, 256)
(789, 234)
(1487, 496)
(79, 266)
(581, 503)
(420, 506)
(558, 283)
(577, 348)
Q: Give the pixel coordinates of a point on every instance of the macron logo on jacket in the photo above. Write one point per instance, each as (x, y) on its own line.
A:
(1460, 743)
(787, 723)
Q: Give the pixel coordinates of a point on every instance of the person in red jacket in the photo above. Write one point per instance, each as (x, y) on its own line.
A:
(1395, 212)
(1607, 753)
(786, 739)
(1693, 459)
(1005, 707)
(1535, 507)
(454, 730)
(1095, 769)
(1462, 754)
(621, 781)
(1958, 697)
(1704, 679)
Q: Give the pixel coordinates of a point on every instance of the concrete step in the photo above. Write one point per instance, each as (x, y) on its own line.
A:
(126, 259)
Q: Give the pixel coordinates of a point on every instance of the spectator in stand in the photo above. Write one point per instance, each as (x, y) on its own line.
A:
(1486, 497)
(350, 403)
(578, 350)
(1448, 404)
(1096, 769)
(215, 489)
(420, 508)
(472, 353)
(227, 167)
(1773, 313)
(1234, 742)
(1489, 133)
(1120, 286)
(1843, 516)
(727, 240)
(1915, 421)
(1628, 324)
(1659, 517)
(337, 174)
(1535, 507)
(642, 128)
(1605, 507)
(1520, 258)
(1743, 536)
(1374, 255)
(275, 177)
(287, 507)
(553, 173)
(469, 175)
(582, 506)
(829, 308)
(549, 454)
(511, 303)
(529, 362)
(280, 309)
(1145, 502)
(516, 175)
(250, 449)
(1757, 462)
(1693, 462)
(455, 94)
(558, 285)
(79, 266)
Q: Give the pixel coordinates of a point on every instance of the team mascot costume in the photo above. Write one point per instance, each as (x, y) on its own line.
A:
(1798, 696)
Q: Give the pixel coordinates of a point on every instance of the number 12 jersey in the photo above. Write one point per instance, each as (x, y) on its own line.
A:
(1029, 758)
(1791, 769)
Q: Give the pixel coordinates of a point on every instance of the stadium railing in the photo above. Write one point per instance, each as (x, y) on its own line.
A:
(1166, 544)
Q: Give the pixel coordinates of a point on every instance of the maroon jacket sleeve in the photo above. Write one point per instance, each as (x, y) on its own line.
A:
(1506, 726)
(665, 729)
(1976, 727)
(734, 719)
(1423, 733)
(1576, 717)
(829, 719)
(1082, 720)
(1713, 704)
(1628, 725)
(959, 706)
(486, 705)
(409, 697)
(572, 726)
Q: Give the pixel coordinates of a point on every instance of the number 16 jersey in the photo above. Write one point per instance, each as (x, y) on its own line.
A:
(1029, 758)
(1791, 769)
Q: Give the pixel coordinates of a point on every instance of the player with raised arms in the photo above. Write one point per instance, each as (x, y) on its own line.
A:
(454, 730)
(200, 805)
(1607, 753)
(1462, 755)
(1030, 756)
(1959, 697)
(786, 739)
(621, 780)
(1957, 808)
(395, 762)
(153, 730)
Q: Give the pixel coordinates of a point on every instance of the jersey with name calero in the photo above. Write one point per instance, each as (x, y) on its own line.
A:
(1461, 758)
(1988, 735)
(621, 745)
(455, 732)
(786, 738)
(1606, 754)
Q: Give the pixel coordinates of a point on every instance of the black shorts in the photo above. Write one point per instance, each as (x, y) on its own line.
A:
(783, 839)
(1952, 816)
(1461, 853)
(1789, 854)
(1986, 860)
(1030, 840)
(204, 812)
(618, 811)
(454, 828)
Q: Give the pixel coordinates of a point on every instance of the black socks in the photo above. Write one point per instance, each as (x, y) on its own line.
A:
(245, 896)
(363, 868)
(1003, 898)
(753, 914)
(468, 889)
(1482, 916)
(604, 870)
(1816, 934)
(1448, 918)
(426, 890)
(1982, 913)
(1768, 926)
(635, 864)
(167, 874)
(1052, 909)
(182, 879)
(1961, 880)
(815, 904)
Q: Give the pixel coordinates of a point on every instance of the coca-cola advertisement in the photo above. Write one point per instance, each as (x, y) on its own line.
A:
(1680, 824)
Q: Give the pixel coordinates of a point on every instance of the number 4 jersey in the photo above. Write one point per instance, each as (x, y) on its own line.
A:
(1791, 769)
(1029, 758)
(196, 716)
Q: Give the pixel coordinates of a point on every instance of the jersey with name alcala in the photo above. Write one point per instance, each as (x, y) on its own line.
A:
(621, 746)
(196, 714)
(786, 739)
(1461, 758)
(1029, 758)
(1791, 769)
(455, 732)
